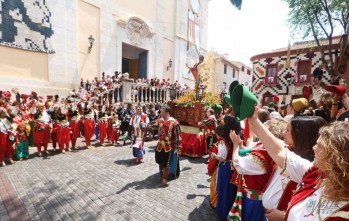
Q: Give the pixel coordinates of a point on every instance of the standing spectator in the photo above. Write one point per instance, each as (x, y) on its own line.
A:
(82, 83)
(88, 85)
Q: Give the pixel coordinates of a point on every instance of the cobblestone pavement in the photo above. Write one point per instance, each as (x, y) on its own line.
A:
(102, 184)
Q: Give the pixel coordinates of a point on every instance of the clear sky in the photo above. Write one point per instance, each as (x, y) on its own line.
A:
(260, 27)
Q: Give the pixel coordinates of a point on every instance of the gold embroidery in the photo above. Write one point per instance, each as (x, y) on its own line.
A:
(258, 161)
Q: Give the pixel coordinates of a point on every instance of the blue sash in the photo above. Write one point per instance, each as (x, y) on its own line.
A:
(174, 165)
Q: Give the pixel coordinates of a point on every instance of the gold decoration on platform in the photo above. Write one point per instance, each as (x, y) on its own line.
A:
(206, 70)
(188, 99)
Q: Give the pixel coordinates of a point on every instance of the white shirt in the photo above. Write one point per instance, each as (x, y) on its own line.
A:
(135, 122)
(317, 92)
(308, 209)
(248, 165)
(222, 150)
(275, 189)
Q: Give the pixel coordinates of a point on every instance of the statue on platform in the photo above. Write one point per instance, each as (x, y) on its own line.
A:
(195, 70)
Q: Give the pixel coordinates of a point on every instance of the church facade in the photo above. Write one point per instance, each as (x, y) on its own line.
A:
(47, 46)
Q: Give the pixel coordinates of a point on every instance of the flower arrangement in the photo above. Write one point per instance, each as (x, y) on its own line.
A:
(188, 99)
(210, 99)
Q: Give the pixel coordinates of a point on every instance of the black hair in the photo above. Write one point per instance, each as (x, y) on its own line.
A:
(167, 109)
(318, 73)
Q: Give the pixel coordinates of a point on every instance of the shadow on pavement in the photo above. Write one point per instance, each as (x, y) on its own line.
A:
(204, 211)
(151, 182)
(185, 168)
(197, 160)
(200, 186)
(127, 162)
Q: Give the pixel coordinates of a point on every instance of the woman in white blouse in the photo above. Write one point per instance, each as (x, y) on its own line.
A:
(323, 192)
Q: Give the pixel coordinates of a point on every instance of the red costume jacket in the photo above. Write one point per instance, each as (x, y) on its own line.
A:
(166, 134)
(255, 182)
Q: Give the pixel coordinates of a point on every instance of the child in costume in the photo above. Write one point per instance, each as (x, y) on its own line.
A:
(22, 142)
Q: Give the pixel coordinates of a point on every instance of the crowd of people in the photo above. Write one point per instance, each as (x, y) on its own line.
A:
(283, 162)
(53, 124)
(143, 89)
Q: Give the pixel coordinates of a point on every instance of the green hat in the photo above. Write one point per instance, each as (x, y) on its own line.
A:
(217, 108)
(271, 104)
(243, 102)
(231, 89)
(226, 100)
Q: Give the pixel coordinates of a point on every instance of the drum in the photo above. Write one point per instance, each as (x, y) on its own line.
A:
(143, 126)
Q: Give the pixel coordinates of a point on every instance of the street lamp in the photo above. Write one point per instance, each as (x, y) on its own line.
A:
(200, 93)
(91, 40)
(169, 64)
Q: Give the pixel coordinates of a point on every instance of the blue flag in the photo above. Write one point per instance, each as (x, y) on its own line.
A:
(236, 3)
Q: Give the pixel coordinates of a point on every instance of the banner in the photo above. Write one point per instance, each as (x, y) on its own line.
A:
(236, 3)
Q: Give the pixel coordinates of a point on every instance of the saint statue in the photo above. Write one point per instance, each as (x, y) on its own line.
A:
(195, 70)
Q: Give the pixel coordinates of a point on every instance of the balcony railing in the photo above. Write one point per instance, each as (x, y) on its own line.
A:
(129, 92)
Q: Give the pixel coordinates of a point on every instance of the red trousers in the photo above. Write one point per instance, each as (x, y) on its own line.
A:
(5, 146)
(54, 135)
(102, 131)
(114, 135)
(75, 128)
(63, 135)
(39, 145)
(89, 130)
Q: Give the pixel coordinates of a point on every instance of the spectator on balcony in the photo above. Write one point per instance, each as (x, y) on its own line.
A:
(82, 83)
(88, 85)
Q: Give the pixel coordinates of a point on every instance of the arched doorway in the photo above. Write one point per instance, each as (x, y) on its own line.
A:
(134, 61)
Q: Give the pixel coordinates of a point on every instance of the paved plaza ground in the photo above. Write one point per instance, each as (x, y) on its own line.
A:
(102, 184)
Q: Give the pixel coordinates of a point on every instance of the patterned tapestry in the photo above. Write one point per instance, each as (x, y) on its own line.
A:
(26, 24)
